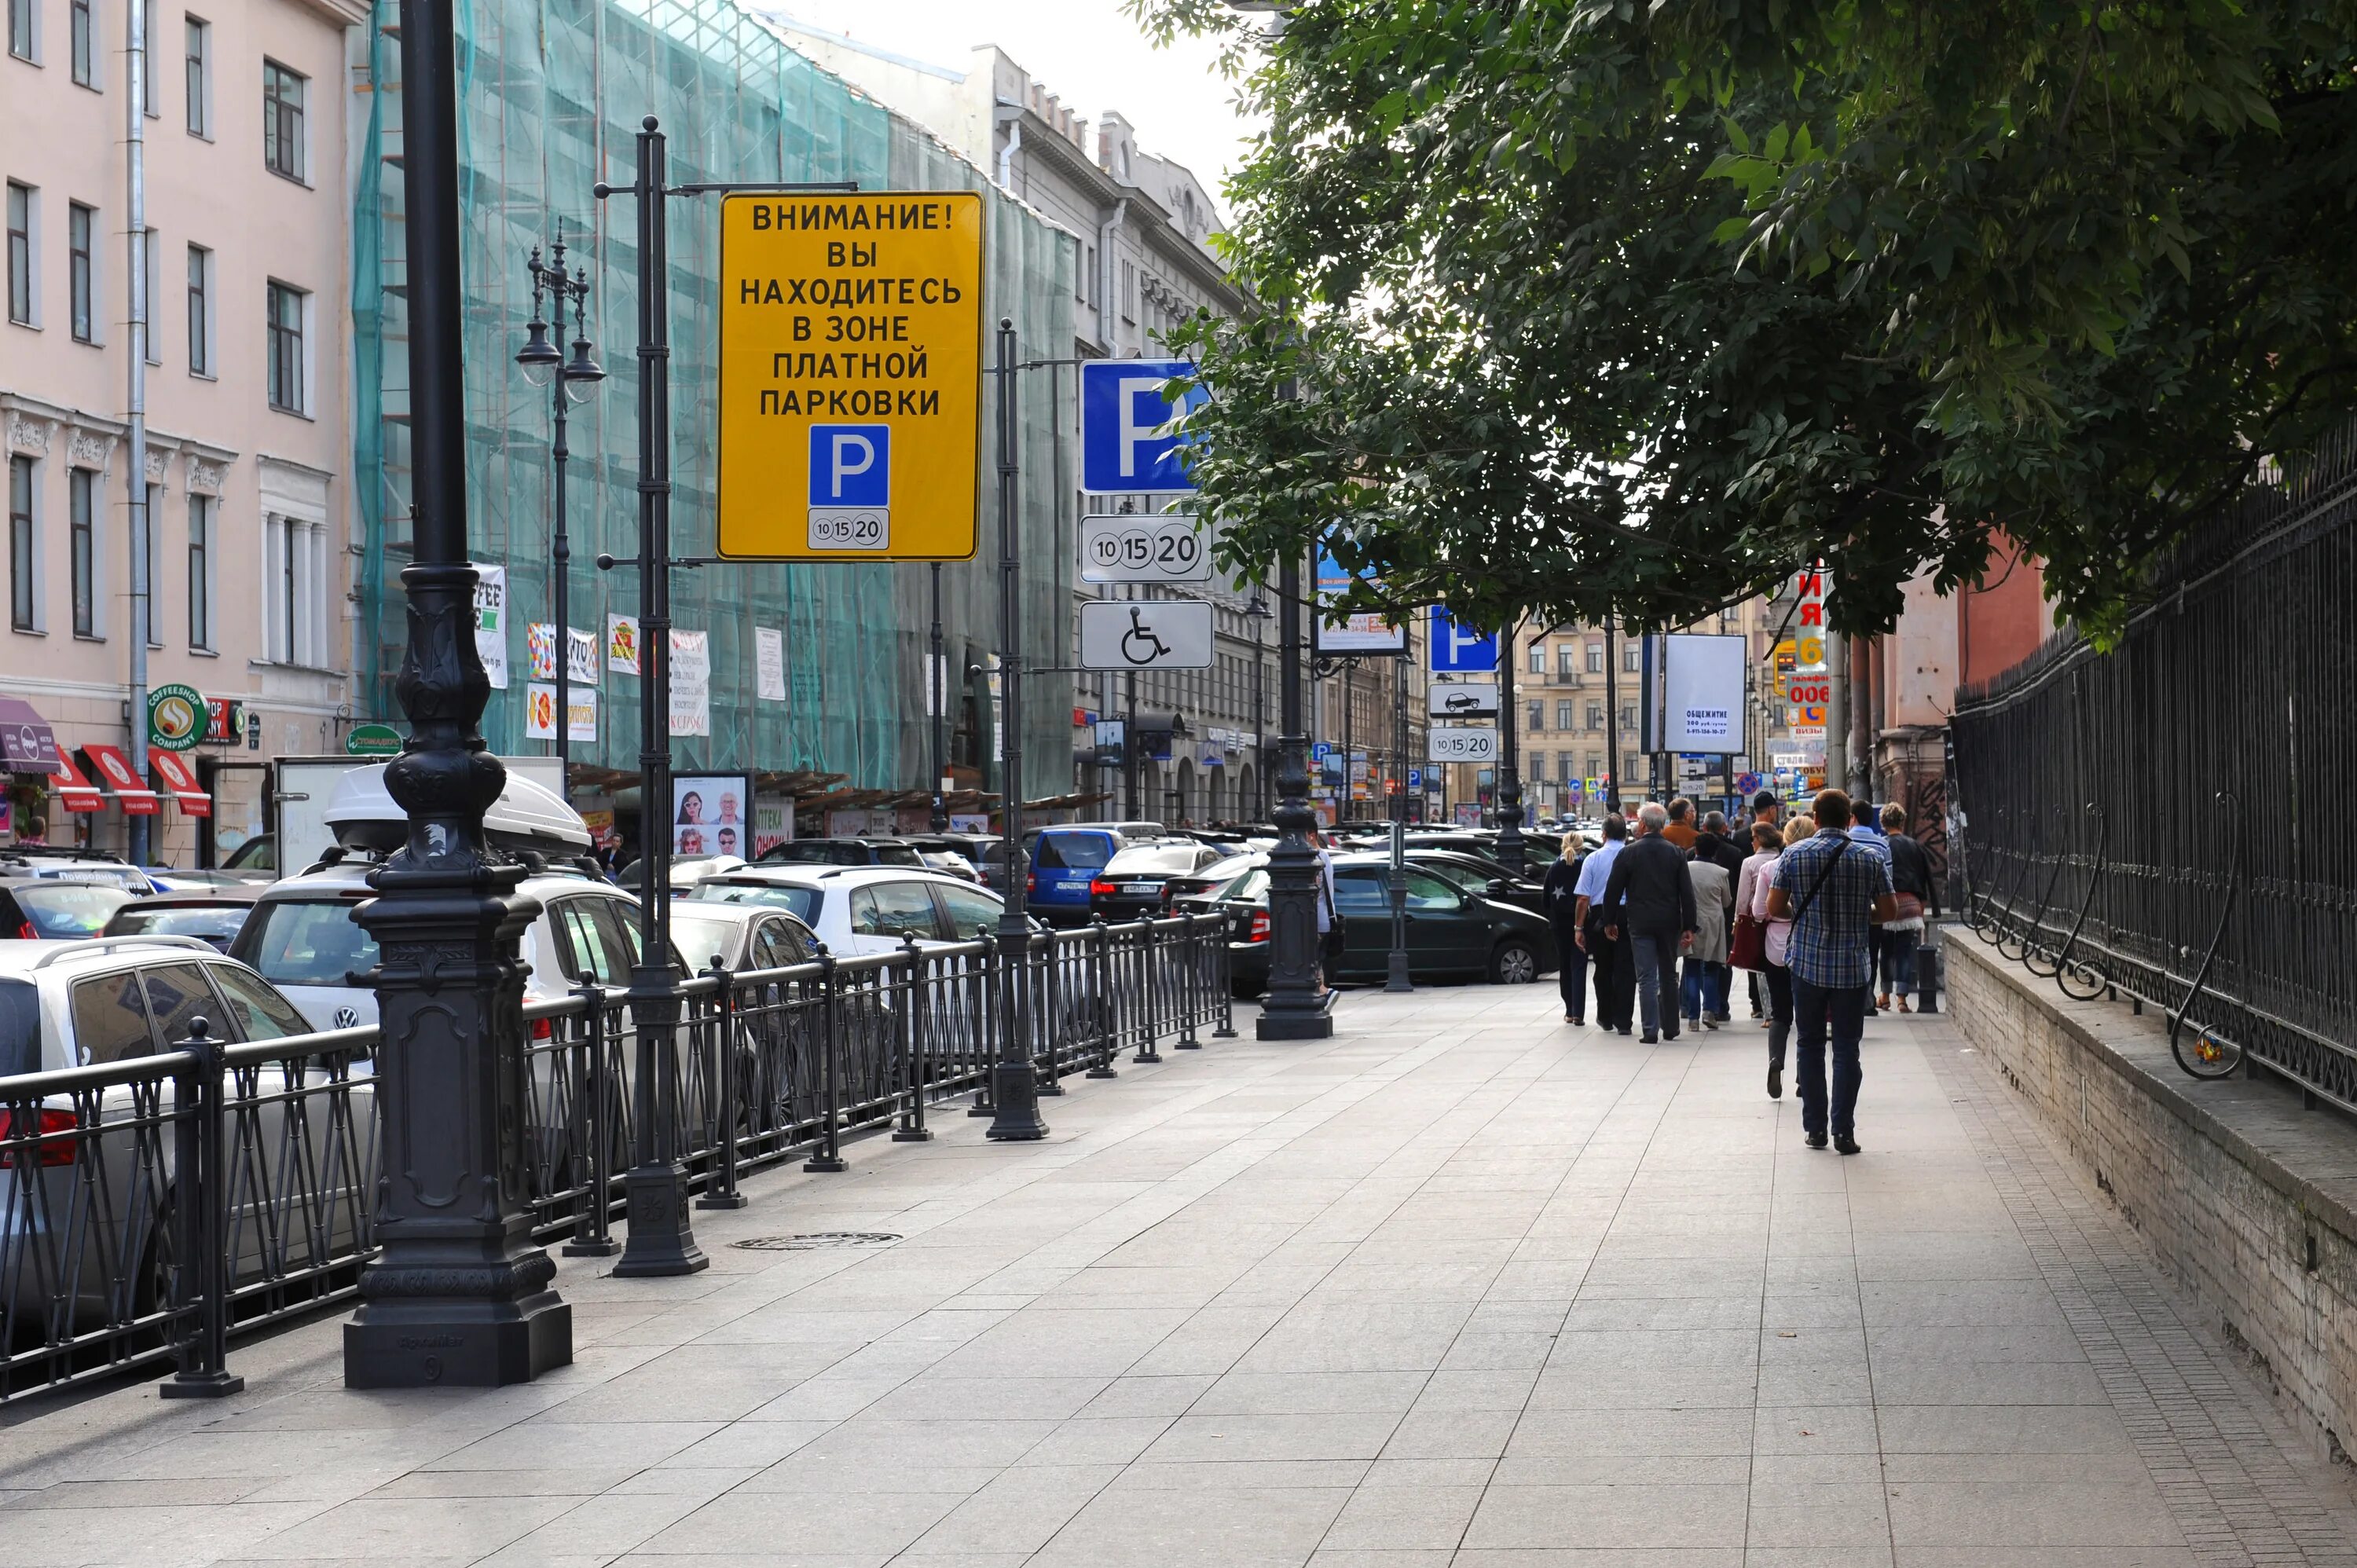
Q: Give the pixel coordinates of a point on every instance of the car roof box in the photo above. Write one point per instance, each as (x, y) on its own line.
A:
(527, 816)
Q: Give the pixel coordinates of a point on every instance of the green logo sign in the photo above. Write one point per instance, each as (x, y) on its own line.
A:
(373, 740)
(176, 717)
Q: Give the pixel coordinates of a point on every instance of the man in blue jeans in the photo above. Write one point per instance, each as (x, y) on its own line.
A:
(1834, 891)
(1648, 908)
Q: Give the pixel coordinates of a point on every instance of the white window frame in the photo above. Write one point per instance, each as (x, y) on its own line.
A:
(293, 590)
(301, 174)
(32, 317)
(305, 305)
(38, 623)
(96, 80)
(198, 84)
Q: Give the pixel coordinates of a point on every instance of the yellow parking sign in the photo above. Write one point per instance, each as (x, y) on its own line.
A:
(850, 375)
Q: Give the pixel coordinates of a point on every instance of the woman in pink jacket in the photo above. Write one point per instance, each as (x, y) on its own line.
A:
(1752, 888)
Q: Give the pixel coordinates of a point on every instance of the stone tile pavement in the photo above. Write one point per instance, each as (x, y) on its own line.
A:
(1460, 1286)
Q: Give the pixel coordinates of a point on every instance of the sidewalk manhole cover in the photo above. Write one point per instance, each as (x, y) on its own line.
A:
(817, 1241)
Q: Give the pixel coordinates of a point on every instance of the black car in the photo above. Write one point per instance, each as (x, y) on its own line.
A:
(215, 915)
(843, 852)
(35, 909)
(1451, 935)
(1480, 875)
(1134, 884)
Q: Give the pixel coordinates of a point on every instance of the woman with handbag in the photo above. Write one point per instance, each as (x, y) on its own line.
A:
(1912, 884)
(1759, 942)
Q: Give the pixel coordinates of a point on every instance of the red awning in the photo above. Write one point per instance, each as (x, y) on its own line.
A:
(123, 782)
(180, 781)
(74, 792)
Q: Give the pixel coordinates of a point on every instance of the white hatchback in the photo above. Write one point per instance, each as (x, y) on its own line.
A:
(859, 910)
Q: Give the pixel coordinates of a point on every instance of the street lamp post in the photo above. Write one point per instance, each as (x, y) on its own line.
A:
(937, 697)
(1298, 1008)
(1396, 978)
(1510, 784)
(1611, 721)
(1257, 611)
(572, 382)
(458, 1294)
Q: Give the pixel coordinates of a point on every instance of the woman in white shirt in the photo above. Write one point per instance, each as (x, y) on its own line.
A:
(1756, 881)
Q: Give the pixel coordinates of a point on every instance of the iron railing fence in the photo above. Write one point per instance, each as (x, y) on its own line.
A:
(154, 1207)
(2165, 819)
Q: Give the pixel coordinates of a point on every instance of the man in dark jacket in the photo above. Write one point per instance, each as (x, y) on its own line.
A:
(1648, 906)
(1561, 896)
(1713, 844)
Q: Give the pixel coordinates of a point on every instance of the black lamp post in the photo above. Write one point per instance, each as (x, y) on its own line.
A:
(573, 380)
(1510, 783)
(458, 1294)
(1298, 1008)
(1396, 978)
(1014, 1083)
(937, 698)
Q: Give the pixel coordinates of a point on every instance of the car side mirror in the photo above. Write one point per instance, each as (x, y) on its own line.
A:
(1497, 887)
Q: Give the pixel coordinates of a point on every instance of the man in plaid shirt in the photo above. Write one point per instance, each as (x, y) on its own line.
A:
(1833, 892)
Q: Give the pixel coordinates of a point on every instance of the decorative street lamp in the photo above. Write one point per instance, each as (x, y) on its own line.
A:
(1395, 977)
(1296, 1007)
(573, 380)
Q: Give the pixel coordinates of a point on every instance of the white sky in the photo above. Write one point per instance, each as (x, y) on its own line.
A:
(1088, 52)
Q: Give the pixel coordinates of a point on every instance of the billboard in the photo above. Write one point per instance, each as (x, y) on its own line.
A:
(1355, 633)
(1702, 694)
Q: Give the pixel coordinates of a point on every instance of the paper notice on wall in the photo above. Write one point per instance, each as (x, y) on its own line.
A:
(491, 622)
(539, 712)
(581, 655)
(691, 682)
(770, 663)
(540, 649)
(622, 644)
(773, 822)
(582, 704)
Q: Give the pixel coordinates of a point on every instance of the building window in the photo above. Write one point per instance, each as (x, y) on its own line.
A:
(83, 520)
(200, 572)
(81, 270)
(1538, 716)
(1632, 656)
(1596, 659)
(295, 565)
(84, 22)
(282, 120)
(152, 536)
(1562, 714)
(1628, 718)
(23, 588)
(1129, 291)
(200, 311)
(22, 249)
(1538, 660)
(199, 44)
(22, 42)
(1567, 659)
(284, 314)
(1594, 766)
(1595, 715)
(151, 81)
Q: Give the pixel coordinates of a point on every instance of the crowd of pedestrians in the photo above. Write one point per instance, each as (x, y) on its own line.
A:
(1823, 911)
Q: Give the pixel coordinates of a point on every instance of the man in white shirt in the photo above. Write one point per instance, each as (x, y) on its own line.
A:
(1615, 981)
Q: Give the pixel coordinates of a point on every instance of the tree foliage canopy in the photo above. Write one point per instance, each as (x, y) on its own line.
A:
(1588, 306)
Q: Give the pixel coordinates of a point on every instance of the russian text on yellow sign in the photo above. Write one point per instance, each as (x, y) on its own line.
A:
(850, 310)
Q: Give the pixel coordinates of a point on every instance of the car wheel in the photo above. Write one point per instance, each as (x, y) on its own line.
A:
(1515, 962)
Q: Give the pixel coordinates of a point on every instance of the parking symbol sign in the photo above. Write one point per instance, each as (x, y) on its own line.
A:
(850, 487)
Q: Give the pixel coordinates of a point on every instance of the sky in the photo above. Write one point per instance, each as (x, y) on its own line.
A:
(1088, 52)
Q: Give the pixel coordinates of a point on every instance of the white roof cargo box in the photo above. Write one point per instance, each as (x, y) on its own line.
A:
(527, 816)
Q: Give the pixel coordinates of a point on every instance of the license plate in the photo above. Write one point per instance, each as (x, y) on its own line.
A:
(1141, 888)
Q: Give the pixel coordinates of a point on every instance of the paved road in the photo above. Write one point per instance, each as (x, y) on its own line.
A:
(1459, 1288)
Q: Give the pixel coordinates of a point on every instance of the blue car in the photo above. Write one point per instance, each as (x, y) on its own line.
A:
(1065, 859)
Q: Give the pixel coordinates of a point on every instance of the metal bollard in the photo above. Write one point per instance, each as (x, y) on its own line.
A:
(828, 1159)
(200, 1290)
(912, 1128)
(1148, 969)
(1226, 993)
(723, 1193)
(1187, 999)
(1050, 1017)
(1927, 978)
(596, 1097)
(986, 1012)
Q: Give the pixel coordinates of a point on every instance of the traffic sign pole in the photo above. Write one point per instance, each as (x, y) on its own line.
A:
(1014, 1083)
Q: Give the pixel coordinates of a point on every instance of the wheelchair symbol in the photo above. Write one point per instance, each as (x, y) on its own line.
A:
(1139, 645)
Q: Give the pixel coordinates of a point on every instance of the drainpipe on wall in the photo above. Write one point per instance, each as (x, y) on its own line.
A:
(1105, 231)
(1009, 114)
(135, 178)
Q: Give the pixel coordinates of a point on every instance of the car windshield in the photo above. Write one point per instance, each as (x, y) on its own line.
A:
(216, 923)
(802, 902)
(701, 937)
(1158, 859)
(1249, 885)
(818, 851)
(20, 1027)
(308, 942)
(257, 854)
(127, 877)
(69, 908)
(898, 855)
(1074, 851)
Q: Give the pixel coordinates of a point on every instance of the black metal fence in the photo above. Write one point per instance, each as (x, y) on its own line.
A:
(155, 1206)
(2171, 820)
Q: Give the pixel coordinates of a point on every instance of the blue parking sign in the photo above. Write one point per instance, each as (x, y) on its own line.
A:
(1127, 446)
(1459, 649)
(851, 465)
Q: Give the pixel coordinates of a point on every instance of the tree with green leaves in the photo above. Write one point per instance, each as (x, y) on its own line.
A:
(1588, 306)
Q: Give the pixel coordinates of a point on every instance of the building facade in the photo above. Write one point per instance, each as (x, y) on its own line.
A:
(243, 168)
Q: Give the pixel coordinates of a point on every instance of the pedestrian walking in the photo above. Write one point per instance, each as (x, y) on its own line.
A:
(1763, 940)
(1649, 904)
(1713, 844)
(1704, 988)
(1615, 984)
(1833, 891)
(1680, 829)
(1912, 885)
(1560, 893)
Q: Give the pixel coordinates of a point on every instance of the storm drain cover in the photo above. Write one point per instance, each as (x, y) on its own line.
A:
(817, 1241)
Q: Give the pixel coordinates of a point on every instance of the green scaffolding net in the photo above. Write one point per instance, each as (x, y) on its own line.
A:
(552, 95)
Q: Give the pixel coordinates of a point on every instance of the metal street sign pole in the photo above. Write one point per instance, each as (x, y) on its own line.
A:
(1396, 977)
(1014, 1084)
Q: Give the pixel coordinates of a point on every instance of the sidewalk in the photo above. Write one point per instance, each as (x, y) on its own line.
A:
(1459, 1286)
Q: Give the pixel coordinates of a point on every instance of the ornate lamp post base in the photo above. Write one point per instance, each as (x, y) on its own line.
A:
(1315, 1024)
(661, 1241)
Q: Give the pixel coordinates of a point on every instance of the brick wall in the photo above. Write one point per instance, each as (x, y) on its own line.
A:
(2246, 1198)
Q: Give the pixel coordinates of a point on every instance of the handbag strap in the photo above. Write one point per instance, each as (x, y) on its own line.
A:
(1819, 884)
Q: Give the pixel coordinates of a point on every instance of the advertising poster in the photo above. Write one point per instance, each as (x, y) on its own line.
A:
(774, 823)
(581, 655)
(710, 813)
(622, 644)
(540, 713)
(1702, 694)
(491, 622)
(540, 649)
(691, 682)
(1364, 632)
(770, 663)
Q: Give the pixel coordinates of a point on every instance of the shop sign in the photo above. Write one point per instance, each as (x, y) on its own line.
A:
(373, 740)
(178, 717)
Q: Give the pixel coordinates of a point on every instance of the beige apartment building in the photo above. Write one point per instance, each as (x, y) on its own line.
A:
(247, 203)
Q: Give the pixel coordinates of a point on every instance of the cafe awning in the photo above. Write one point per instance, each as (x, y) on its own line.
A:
(123, 781)
(28, 744)
(74, 792)
(180, 781)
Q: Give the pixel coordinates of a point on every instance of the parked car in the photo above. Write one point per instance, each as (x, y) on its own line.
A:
(980, 851)
(741, 936)
(1207, 879)
(212, 917)
(862, 910)
(842, 851)
(1451, 935)
(1480, 875)
(65, 864)
(1135, 883)
(34, 908)
(1063, 860)
(86, 1222)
